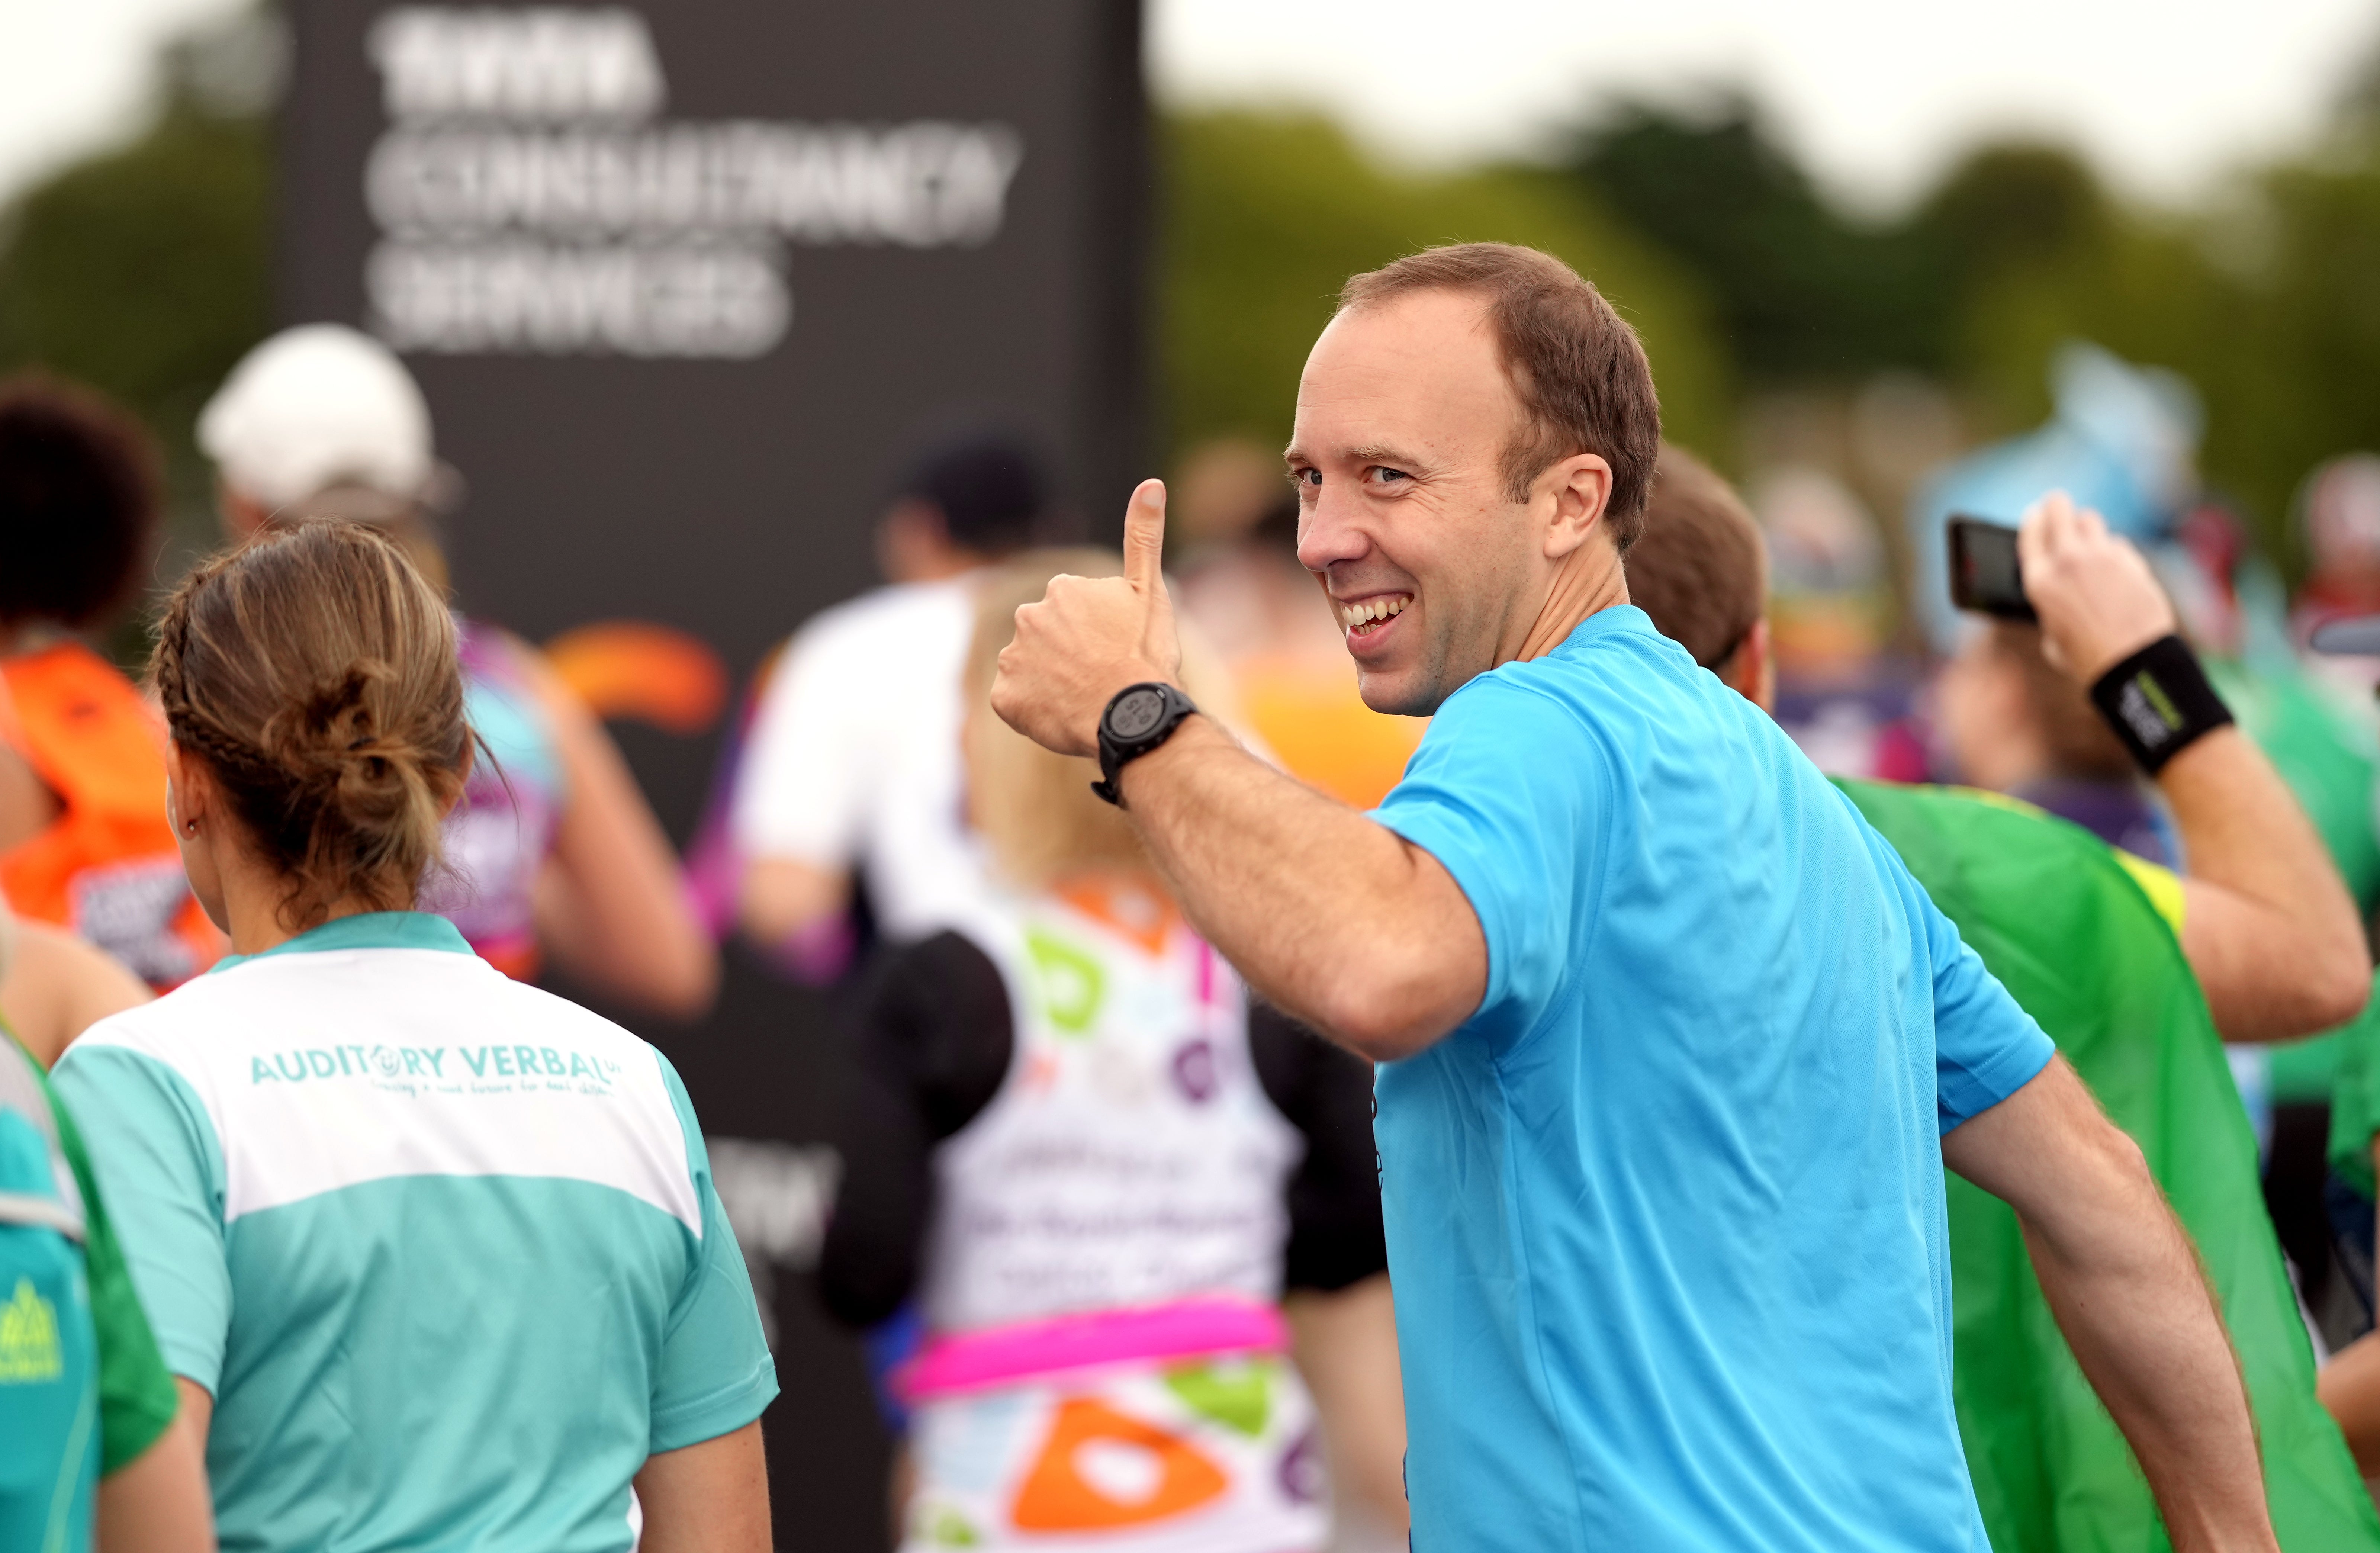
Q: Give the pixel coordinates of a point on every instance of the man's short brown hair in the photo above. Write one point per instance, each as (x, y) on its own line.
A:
(1579, 371)
(1701, 570)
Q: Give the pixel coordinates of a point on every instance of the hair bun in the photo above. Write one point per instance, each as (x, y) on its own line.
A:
(315, 671)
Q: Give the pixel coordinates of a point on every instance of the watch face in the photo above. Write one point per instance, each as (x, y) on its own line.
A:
(1136, 713)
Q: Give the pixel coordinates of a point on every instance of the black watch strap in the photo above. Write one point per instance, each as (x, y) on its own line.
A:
(1138, 718)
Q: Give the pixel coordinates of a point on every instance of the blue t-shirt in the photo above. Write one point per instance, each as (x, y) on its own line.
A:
(1665, 1215)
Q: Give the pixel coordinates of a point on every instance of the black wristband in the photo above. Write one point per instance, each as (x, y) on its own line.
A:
(2158, 702)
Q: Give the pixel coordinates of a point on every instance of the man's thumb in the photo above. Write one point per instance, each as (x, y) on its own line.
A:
(1143, 539)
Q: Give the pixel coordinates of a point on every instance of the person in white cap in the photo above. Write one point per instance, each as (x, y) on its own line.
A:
(553, 852)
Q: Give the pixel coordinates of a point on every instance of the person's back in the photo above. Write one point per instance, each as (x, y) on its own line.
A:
(850, 768)
(436, 1256)
(462, 1199)
(875, 680)
(1751, 1112)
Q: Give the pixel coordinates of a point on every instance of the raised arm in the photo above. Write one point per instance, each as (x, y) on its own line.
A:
(2267, 923)
(2125, 1284)
(1332, 916)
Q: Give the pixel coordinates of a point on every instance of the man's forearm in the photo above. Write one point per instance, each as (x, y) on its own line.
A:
(2270, 930)
(2130, 1295)
(1330, 914)
(2126, 1287)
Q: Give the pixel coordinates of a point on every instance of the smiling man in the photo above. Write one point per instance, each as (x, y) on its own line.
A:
(1672, 1047)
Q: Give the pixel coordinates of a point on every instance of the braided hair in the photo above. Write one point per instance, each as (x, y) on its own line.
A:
(313, 671)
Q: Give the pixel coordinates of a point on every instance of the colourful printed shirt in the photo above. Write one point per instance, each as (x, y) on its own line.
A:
(444, 1247)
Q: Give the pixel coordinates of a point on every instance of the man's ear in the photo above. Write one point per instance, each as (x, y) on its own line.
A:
(1751, 669)
(1581, 488)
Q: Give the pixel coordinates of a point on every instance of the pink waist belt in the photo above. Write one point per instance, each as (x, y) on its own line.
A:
(1000, 1355)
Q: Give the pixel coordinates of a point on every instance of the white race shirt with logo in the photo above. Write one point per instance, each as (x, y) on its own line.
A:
(444, 1247)
(1130, 1165)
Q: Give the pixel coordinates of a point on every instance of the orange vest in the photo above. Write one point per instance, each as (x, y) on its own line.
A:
(107, 867)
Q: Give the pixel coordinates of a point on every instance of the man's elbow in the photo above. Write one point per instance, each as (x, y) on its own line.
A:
(1385, 1017)
(2338, 984)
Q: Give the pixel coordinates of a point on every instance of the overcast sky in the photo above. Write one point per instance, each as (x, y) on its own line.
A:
(1878, 94)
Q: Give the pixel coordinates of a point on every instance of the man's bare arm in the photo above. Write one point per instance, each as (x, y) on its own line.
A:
(2125, 1284)
(158, 1502)
(2267, 923)
(1335, 917)
(709, 1498)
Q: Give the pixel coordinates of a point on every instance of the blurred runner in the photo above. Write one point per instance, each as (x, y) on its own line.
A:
(851, 769)
(87, 1411)
(2339, 520)
(554, 853)
(2011, 723)
(435, 1255)
(1844, 697)
(1100, 1167)
(83, 840)
(2100, 947)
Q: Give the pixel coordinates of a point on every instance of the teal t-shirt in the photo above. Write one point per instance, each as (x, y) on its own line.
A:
(1666, 1216)
(445, 1248)
(82, 1389)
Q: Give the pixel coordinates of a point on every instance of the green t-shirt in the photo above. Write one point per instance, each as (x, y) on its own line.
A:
(2085, 939)
(83, 1389)
(2355, 1099)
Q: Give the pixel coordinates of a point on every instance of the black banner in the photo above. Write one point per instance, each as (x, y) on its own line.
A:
(684, 281)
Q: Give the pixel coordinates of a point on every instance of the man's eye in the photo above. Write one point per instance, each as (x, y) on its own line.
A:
(1385, 475)
(1309, 477)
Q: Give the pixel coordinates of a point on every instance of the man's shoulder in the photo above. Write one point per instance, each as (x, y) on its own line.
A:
(1596, 680)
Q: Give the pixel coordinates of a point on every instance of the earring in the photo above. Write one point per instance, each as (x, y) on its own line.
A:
(189, 827)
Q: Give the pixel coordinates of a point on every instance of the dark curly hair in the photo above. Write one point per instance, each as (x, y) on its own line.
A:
(313, 672)
(79, 500)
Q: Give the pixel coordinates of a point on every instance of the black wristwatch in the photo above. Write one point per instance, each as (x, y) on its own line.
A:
(1138, 719)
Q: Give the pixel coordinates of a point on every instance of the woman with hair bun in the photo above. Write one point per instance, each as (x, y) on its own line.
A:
(436, 1255)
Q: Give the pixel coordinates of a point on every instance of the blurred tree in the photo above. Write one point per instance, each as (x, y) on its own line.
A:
(1801, 290)
(143, 270)
(2265, 302)
(1266, 215)
(2013, 206)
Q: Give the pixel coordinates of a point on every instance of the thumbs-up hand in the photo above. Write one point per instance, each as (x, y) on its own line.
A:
(1090, 638)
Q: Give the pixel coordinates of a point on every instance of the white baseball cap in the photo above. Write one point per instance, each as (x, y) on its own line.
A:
(319, 405)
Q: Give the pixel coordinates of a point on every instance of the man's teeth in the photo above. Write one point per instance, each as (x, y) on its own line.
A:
(1357, 615)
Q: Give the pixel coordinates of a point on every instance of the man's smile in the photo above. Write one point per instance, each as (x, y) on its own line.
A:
(1369, 617)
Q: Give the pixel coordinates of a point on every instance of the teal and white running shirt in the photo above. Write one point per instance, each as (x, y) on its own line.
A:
(444, 1247)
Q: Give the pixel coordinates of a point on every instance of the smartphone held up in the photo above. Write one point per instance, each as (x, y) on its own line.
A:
(1985, 574)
